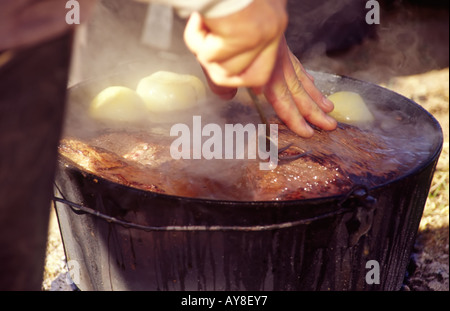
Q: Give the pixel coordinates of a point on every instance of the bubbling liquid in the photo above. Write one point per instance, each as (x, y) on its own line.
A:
(331, 163)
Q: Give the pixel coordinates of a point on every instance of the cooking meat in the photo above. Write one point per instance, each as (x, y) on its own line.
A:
(332, 164)
(143, 161)
(108, 165)
(137, 147)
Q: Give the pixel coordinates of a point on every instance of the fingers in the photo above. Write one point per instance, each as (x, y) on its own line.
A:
(308, 99)
(238, 50)
(278, 94)
(237, 64)
(206, 45)
(295, 98)
(225, 93)
(257, 74)
(250, 69)
(198, 37)
(298, 67)
(260, 71)
(248, 49)
(307, 81)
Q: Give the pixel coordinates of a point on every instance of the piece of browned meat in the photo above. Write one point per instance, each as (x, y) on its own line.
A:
(143, 161)
(108, 165)
(137, 147)
(334, 162)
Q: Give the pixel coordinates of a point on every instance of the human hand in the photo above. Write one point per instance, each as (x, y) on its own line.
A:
(295, 98)
(292, 93)
(235, 53)
(239, 49)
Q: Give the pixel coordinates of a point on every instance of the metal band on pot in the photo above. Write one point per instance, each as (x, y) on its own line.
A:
(358, 195)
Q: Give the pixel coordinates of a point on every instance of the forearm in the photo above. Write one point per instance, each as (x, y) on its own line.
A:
(208, 8)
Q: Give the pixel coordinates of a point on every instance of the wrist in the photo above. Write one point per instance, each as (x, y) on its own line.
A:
(224, 8)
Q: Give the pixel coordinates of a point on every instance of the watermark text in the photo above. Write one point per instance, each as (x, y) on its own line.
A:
(373, 275)
(228, 143)
(73, 15)
(373, 15)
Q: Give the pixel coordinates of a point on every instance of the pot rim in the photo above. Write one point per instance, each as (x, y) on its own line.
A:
(416, 170)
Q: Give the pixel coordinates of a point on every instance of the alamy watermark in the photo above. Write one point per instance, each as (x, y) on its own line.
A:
(228, 143)
(73, 15)
(373, 15)
(373, 275)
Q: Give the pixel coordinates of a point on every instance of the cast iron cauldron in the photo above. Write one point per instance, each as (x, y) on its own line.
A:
(120, 238)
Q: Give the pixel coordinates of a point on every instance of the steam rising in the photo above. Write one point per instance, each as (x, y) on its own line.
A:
(110, 43)
(333, 37)
(109, 52)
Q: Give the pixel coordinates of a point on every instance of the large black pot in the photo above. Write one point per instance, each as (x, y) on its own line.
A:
(121, 238)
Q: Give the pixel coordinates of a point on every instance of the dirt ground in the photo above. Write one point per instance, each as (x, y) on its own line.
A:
(410, 55)
(429, 267)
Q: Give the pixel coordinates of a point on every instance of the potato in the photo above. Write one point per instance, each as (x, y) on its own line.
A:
(166, 91)
(349, 107)
(118, 103)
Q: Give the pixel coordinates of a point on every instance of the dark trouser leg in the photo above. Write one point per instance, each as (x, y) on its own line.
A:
(33, 84)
